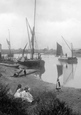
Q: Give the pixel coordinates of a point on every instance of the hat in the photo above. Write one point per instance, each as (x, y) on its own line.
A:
(27, 88)
(19, 85)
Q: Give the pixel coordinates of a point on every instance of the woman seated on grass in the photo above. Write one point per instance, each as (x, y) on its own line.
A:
(18, 91)
(23, 93)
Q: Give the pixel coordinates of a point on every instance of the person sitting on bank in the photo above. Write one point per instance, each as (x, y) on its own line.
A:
(23, 93)
(26, 95)
(16, 74)
(24, 72)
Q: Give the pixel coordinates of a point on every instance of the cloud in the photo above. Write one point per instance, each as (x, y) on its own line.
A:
(52, 10)
(51, 32)
(6, 6)
(53, 19)
(17, 27)
(59, 10)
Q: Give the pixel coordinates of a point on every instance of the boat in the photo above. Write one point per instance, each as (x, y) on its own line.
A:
(32, 62)
(10, 65)
(64, 58)
(6, 60)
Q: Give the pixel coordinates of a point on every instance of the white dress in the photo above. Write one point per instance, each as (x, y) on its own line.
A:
(58, 85)
(26, 96)
(17, 94)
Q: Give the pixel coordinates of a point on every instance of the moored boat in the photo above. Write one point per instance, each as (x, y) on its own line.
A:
(35, 63)
(69, 60)
(32, 62)
(64, 58)
(10, 65)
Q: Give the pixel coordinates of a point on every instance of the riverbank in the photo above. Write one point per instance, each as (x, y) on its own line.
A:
(71, 96)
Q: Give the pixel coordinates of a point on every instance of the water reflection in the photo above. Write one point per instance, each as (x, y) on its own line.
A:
(66, 71)
(59, 73)
(39, 72)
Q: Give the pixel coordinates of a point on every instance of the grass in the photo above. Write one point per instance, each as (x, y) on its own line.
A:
(46, 104)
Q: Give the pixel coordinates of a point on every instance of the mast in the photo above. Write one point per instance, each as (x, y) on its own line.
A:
(24, 50)
(9, 42)
(72, 49)
(33, 32)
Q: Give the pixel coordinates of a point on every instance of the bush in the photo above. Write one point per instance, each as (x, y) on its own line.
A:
(9, 105)
(50, 105)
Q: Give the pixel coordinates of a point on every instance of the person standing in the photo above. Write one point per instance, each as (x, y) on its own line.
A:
(58, 86)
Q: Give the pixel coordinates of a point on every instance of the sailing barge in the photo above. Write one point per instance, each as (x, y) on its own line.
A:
(65, 58)
(32, 62)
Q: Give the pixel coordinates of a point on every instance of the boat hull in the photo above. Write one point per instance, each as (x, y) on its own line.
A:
(69, 60)
(32, 63)
(9, 65)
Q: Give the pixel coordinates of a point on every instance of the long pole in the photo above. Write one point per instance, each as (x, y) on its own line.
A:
(33, 33)
(66, 43)
(72, 49)
(34, 15)
(9, 41)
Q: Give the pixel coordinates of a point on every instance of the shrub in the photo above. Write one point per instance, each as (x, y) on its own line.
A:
(9, 105)
(50, 105)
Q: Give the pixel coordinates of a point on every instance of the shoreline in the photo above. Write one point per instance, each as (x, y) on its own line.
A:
(71, 96)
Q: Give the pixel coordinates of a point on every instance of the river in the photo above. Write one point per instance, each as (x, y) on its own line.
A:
(69, 74)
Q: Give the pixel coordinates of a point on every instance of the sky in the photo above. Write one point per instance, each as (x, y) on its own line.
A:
(54, 18)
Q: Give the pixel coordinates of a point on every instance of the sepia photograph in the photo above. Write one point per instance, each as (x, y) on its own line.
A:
(40, 57)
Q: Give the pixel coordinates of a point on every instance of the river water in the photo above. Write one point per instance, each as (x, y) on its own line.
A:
(69, 74)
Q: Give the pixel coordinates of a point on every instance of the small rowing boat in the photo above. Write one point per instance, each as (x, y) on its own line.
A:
(10, 65)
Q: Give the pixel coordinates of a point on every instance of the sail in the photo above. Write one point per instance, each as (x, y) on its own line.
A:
(68, 73)
(59, 70)
(59, 51)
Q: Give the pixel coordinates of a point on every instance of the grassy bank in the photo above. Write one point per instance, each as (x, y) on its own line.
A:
(46, 104)
(43, 91)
